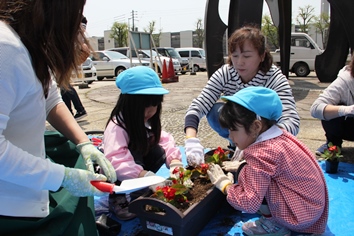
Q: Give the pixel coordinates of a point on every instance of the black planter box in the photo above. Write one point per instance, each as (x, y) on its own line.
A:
(174, 222)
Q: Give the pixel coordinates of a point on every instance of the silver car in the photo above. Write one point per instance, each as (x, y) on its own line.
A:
(109, 63)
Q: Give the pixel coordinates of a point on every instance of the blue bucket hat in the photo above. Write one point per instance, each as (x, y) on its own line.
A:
(262, 101)
(140, 80)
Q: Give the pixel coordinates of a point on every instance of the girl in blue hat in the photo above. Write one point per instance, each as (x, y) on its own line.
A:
(282, 179)
(133, 139)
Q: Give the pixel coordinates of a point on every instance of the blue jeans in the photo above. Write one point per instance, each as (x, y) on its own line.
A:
(213, 120)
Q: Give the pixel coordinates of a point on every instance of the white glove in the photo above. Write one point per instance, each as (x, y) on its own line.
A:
(194, 152)
(232, 166)
(153, 187)
(173, 165)
(238, 155)
(346, 110)
(77, 182)
(91, 154)
(218, 178)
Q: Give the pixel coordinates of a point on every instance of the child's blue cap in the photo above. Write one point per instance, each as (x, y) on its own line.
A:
(140, 80)
(262, 101)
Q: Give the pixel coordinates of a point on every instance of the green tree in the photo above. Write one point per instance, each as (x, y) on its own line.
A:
(198, 40)
(321, 24)
(151, 29)
(270, 31)
(305, 18)
(119, 32)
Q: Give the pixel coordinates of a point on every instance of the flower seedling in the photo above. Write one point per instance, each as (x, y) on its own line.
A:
(332, 153)
(218, 156)
(177, 192)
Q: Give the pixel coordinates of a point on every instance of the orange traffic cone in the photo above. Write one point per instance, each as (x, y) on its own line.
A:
(171, 70)
(164, 71)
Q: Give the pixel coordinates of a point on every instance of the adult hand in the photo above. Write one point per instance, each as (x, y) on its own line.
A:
(91, 154)
(218, 178)
(154, 186)
(173, 165)
(232, 166)
(194, 152)
(346, 110)
(77, 182)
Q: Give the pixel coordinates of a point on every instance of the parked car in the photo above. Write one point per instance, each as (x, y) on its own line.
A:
(171, 52)
(302, 56)
(146, 56)
(109, 63)
(195, 56)
(86, 73)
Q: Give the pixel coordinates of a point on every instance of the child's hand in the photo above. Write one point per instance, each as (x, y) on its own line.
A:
(231, 166)
(218, 178)
(194, 152)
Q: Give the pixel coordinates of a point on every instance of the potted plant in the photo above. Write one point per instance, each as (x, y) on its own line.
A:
(175, 209)
(331, 156)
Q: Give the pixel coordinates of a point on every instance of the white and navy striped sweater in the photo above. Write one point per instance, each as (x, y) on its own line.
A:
(226, 82)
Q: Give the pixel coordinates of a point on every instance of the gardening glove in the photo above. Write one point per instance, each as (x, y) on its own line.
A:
(218, 178)
(91, 154)
(153, 187)
(194, 152)
(232, 166)
(173, 165)
(77, 182)
(238, 155)
(346, 110)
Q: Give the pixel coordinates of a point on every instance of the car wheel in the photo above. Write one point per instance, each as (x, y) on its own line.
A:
(301, 70)
(183, 73)
(196, 68)
(99, 78)
(119, 70)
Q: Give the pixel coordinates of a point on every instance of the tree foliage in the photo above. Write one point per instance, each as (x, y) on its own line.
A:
(151, 29)
(119, 32)
(305, 18)
(199, 34)
(270, 31)
(321, 23)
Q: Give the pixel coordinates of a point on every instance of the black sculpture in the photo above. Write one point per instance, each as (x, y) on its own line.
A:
(241, 12)
(340, 38)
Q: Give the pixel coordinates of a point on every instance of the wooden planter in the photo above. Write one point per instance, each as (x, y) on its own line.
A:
(174, 222)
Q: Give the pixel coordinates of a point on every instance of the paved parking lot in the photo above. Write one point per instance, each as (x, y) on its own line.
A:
(101, 96)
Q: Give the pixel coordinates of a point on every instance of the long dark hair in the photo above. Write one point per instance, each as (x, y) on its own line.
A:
(255, 36)
(49, 30)
(129, 112)
(233, 115)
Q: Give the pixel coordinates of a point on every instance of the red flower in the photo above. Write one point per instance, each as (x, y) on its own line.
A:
(169, 192)
(333, 148)
(176, 170)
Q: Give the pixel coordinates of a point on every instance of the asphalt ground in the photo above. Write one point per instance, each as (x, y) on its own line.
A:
(101, 96)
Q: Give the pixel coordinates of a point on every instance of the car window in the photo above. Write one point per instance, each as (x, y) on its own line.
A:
(195, 54)
(173, 53)
(202, 52)
(184, 53)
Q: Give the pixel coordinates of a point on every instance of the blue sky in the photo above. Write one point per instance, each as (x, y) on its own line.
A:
(169, 15)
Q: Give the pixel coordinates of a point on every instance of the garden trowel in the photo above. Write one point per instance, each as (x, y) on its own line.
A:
(129, 185)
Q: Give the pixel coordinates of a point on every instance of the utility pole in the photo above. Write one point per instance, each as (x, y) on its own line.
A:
(133, 19)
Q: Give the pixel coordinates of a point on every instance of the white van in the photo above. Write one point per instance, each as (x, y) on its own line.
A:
(195, 56)
(302, 55)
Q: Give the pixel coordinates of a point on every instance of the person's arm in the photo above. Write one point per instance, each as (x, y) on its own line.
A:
(63, 121)
(289, 119)
(201, 105)
(336, 100)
